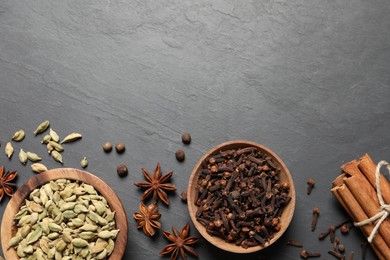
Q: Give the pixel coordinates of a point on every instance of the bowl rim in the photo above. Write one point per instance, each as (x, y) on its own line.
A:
(72, 174)
(219, 242)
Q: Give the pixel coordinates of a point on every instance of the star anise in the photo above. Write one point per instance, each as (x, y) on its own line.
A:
(156, 185)
(6, 184)
(180, 243)
(147, 218)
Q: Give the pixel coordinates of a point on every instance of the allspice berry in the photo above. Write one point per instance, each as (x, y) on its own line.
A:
(122, 170)
(180, 155)
(120, 148)
(107, 147)
(186, 138)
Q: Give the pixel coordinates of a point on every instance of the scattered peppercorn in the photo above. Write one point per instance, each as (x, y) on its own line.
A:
(107, 147)
(120, 148)
(186, 138)
(122, 170)
(180, 155)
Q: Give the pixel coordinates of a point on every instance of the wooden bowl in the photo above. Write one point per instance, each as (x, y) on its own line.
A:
(7, 230)
(284, 176)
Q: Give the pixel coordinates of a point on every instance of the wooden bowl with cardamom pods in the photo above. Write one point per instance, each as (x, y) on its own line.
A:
(119, 218)
(241, 196)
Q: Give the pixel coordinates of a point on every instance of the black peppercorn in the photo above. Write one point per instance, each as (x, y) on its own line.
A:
(107, 147)
(180, 155)
(122, 170)
(186, 138)
(120, 148)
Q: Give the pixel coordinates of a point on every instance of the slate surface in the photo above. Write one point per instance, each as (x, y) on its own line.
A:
(308, 79)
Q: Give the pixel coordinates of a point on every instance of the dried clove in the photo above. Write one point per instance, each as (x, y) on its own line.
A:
(335, 254)
(305, 254)
(310, 185)
(332, 231)
(316, 213)
(294, 243)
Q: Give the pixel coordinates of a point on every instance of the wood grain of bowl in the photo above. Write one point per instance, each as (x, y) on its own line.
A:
(284, 176)
(7, 230)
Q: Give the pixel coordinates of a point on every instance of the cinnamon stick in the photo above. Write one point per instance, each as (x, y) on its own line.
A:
(340, 199)
(339, 180)
(351, 168)
(368, 168)
(357, 213)
(367, 198)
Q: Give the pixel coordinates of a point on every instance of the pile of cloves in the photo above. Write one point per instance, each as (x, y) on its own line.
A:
(240, 198)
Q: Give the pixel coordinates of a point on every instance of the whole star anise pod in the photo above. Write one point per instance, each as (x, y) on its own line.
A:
(147, 218)
(156, 185)
(181, 243)
(6, 184)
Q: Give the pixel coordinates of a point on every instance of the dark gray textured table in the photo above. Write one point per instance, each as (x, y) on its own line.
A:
(308, 79)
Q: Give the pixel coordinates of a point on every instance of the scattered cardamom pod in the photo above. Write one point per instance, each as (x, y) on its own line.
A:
(23, 157)
(71, 138)
(84, 162)
(57, 156)
(33, 157)
(42, 127)
(54, 136)
(46, 139)
(18, 136)
(49, 147)
(56, 146)
(38, 167)
(9, 149)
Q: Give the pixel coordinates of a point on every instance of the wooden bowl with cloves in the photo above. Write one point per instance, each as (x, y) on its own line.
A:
(64, 212)
(241, 196)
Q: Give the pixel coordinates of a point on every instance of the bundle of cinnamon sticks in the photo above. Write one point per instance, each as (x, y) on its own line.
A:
(355, 189)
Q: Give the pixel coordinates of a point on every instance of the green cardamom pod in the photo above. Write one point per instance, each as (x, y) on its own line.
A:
(110, 246)
(102, 255)
(23, 157)
(54, 136)
(57, 156)
(99, 247)
(19, 251)
(18, 136)
(46, 139)
(71, 138)
(68, 214)
(89, 227)
(38, 167)
(56, 146)
(33, 157)
(105, 234)
(50, 148)
(87, 235)
(79, 242)
(84, 162)
(25, 230)
(34, 236)
(14, 241)
(54, 227)
(42, 127)
(61, 246)
(9, 149)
